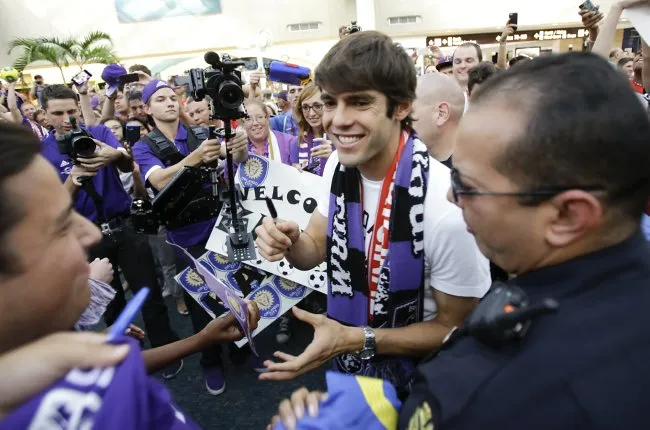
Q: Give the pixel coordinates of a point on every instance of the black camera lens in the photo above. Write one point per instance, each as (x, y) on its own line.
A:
(231, 95)
(84, 146)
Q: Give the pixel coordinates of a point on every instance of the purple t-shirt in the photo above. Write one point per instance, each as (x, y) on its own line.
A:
(144, 156)
(107, 182)
(122, 397)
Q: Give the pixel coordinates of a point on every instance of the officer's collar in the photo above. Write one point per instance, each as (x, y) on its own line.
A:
(582, 272)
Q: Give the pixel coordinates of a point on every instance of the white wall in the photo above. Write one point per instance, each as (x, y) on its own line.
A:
(234, 30)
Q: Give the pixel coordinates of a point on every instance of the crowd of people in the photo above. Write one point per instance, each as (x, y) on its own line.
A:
(472, 184)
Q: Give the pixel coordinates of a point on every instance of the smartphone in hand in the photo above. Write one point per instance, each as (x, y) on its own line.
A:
(512, 19)
(81, 78)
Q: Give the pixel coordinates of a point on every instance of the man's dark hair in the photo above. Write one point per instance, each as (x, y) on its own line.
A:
(139, 68)
(19, 146)
(36, 77)
(623, 61)
(145, 125)
(369, 60)
(518, 59)
(479, 74)
(57, 92)
(584, 127)
(135, 95)
(111, 118)
(479, 51)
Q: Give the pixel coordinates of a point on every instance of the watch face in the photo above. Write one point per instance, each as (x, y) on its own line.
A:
(366, 354)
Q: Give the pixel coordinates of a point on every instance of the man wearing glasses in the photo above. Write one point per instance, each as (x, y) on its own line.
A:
(553, 190)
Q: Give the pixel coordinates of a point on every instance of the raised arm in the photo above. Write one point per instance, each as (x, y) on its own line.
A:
(12, 103)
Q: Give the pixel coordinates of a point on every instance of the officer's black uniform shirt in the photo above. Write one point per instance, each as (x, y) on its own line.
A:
(588, 366)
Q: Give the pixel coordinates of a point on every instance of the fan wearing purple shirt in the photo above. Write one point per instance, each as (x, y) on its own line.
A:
(44, 290)
(163, 105)
(120, 244)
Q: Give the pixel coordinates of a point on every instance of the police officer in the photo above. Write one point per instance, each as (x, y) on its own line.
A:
(107, 204)
(190, 148)
(553, 189)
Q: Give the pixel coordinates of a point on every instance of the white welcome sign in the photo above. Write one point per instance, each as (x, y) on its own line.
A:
(294, 194)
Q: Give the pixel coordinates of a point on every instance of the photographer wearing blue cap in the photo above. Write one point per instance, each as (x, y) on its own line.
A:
(185, 147)
(94, 183)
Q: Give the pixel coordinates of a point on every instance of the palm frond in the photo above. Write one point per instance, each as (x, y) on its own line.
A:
(94, 37)
(100, 55)
(27, 43)
(22, 61)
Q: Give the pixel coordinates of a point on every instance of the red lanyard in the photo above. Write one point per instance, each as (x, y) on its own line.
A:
(379, 239)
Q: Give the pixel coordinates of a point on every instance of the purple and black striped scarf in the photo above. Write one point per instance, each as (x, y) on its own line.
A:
(400, 289)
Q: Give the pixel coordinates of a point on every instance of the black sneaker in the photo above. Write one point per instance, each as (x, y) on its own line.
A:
(283, 334)
(172, 370)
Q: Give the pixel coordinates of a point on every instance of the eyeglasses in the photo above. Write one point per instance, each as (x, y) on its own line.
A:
(259, 118)
(459, 189)
(316, 107)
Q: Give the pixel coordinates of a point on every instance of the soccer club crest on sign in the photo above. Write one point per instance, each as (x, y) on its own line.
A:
(268, 302)
(254, 171)
(221, 263)
(193, 282)
(235, 306)
(288, 288)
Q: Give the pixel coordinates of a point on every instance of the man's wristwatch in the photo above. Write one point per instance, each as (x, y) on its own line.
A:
(369, 346)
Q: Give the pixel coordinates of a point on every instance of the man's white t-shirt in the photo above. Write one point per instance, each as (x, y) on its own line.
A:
(453, 263)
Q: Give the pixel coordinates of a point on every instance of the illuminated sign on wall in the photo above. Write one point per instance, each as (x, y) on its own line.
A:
(520, 36)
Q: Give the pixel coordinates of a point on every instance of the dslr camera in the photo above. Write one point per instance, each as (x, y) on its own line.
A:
(223, 83)
(353, 27)
(76, 143)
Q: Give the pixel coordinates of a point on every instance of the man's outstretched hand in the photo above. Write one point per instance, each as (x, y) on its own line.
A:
(330, 339)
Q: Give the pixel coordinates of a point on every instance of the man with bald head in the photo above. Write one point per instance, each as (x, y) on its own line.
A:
(437, 110)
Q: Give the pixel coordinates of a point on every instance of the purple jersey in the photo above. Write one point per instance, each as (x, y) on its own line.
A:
(144, 156)
(122, 397)
(107, 181)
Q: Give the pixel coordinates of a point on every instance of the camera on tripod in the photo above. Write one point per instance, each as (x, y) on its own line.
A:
(223, 83)
(76, 143)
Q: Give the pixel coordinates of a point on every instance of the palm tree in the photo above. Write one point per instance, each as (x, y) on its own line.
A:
(96, 47)
(34, 50)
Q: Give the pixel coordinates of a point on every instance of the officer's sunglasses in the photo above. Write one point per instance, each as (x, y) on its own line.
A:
(459, 189)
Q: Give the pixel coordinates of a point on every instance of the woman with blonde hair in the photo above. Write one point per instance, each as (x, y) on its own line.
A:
(262, 140)
(313, 147)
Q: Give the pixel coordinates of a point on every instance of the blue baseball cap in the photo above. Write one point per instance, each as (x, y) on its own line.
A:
(282, 95)
(111, 75)
(152, 87)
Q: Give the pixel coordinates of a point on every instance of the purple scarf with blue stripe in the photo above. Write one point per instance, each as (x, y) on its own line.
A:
(400, 290)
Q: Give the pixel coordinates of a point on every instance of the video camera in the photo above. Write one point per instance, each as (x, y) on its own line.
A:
(353, 27)
(223, 83)
(183, 201)
(76, 143)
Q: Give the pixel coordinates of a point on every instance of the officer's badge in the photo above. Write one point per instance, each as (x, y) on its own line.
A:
(268, 301)
(255, 171)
